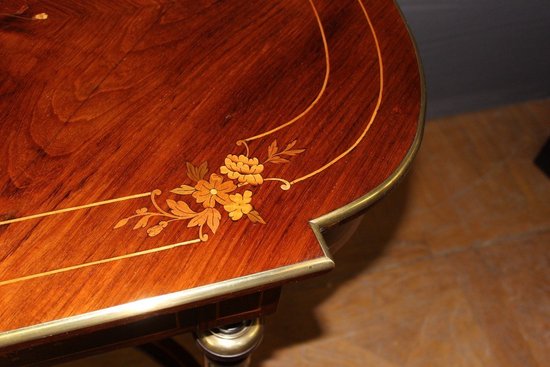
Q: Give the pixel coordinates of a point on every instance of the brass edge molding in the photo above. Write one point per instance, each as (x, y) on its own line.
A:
(318, 231)
(147, 305)
(365, 201)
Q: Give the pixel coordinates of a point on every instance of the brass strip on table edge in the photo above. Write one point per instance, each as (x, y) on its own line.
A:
(144, 306)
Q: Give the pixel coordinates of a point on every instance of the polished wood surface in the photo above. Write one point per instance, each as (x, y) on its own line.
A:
(109, 111)
(451, 269)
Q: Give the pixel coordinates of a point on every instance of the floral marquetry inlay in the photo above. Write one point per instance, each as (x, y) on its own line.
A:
(106, 192)
(231, 192)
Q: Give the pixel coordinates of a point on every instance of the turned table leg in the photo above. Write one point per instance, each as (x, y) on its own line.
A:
(230, 345)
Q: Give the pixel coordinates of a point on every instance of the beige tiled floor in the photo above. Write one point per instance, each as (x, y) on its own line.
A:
(451, 269)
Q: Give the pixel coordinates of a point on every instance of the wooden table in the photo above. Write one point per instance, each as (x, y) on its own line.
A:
(172, 164)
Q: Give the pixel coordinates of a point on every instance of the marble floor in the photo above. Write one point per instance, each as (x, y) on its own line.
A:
(452, 268)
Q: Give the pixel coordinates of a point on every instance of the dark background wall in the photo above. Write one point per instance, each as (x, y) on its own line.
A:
(481, 53)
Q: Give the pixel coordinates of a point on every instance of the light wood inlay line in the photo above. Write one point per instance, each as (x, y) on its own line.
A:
(98, 262)
(65, 210)
(321, 92)
(375, 112)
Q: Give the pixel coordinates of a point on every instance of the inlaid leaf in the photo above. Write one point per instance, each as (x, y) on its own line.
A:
(121, 223)
(192, 172)
(278, 160)
(255, 217)
(203, 170)
(291, 144)
(142, 222)
(199, 219)
(293, 152)
(197, 173)
(213, 217)
(181, 209)
(141, 211)
(184, 190)
(272, 149)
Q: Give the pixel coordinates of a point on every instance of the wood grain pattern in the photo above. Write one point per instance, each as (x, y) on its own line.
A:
(416, 289)
(109, 100)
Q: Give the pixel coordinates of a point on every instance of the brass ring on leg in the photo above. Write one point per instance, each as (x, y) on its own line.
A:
(230, 345)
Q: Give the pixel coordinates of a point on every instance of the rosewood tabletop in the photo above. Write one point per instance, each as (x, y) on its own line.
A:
(159, 153)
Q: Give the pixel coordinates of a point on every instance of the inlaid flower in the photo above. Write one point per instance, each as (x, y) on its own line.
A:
(212, 191)
(239, 205)
(245, 170)
(240, 171)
